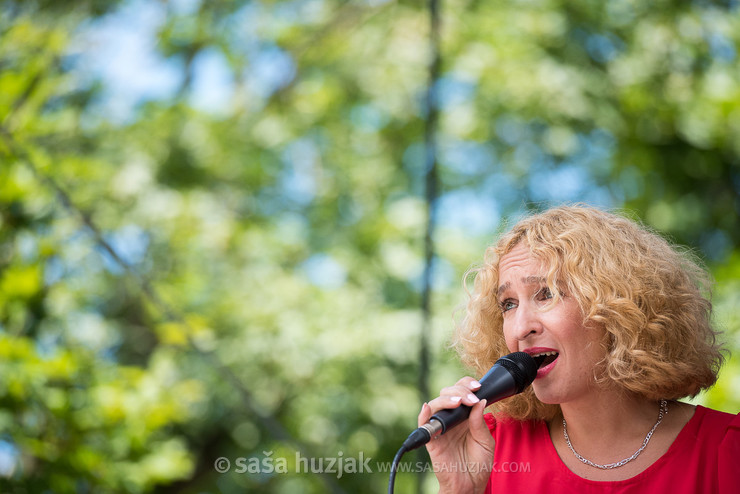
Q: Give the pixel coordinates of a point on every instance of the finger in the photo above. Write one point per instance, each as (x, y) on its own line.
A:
(444, 402)
(478, 427)
(461, 387)
(425, 414)
(465, 394)
(469, 383)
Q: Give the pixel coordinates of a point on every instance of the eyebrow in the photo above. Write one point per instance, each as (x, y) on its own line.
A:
(528, 280)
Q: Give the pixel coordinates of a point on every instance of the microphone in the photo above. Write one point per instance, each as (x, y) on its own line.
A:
(510, 375)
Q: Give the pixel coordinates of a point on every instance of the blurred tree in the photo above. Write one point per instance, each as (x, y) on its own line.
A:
(230, 265)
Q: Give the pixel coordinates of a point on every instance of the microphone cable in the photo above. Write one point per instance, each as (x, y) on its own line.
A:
(394, 468)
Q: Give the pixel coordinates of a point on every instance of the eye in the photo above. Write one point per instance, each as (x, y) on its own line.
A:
(544, 294)
(507, 305)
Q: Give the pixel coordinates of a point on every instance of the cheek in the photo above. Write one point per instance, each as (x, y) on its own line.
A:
(596, 348)
(511, 342)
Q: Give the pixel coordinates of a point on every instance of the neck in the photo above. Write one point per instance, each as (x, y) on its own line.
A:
(608, 428)
(608, 416)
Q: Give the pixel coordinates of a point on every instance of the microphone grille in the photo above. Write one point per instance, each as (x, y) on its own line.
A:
(522, 367)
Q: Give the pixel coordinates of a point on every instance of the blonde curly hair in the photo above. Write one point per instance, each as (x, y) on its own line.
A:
(651, 298)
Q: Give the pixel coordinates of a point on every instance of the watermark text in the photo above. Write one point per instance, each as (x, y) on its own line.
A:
(339, 465)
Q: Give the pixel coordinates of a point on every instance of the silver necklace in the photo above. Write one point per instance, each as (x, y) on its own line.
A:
(662, 413)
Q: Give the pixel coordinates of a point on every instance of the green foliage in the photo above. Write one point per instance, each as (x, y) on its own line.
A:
(260, 298)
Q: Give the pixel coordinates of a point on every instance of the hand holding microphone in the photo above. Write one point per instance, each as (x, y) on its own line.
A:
(510, 375)
(469, 444)
(465, 451)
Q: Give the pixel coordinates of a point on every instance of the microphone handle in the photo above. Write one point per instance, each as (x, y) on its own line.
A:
(496, 385)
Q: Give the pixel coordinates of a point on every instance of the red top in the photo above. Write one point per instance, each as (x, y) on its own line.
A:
(704, 459)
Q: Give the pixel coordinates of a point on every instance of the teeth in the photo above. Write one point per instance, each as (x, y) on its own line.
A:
(545, 354)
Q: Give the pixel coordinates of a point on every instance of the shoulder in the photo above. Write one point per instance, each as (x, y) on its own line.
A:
(707, 429)
(722, 430)
(716, 424)
(716, 437)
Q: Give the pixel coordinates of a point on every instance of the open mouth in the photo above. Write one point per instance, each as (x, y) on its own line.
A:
(544, 358)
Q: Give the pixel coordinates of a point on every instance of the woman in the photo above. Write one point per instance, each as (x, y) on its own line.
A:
(624, 320)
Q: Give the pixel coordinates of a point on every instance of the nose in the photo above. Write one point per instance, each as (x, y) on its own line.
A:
(526, 322)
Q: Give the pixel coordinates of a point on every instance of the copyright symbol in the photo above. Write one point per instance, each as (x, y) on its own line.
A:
(222, 465)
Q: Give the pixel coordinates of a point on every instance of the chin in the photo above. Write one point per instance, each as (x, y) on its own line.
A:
(545, 397)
